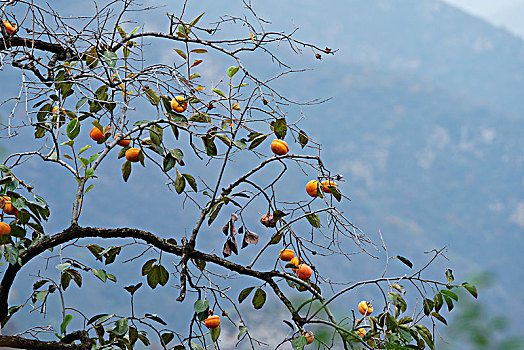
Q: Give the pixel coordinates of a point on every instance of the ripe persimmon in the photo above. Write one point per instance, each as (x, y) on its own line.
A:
(132, 155)
(309, 336)
(327, 183)
(9, 209)
(179, 104)
(5, 229)
(96, 134)
(304, 272)
(312, 188)
(365, 308)
(279, 147)
(212, 321)
(286, 254)
(361, 332)
(124, 142)
(295, 261)
(9, 28)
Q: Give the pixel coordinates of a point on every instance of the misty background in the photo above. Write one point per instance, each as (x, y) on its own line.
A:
(425, 122)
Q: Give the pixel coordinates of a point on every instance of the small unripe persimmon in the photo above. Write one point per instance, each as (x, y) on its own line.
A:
(304, 272)
(279, 147)
(5, 229)
(212, 321)
(179, 104)
(286, 254)
(96, 134)
(365, 308)
(132, 155)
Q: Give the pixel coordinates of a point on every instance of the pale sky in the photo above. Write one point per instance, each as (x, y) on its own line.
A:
(504, 13)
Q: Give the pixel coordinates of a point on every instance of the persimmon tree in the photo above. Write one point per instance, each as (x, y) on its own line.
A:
(83, 77)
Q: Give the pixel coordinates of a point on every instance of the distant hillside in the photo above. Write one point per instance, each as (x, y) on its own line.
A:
(425, 123)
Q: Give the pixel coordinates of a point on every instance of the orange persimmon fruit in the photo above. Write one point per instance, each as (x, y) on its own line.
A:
(212, 321)
(311, 188)
(124, 142)
(132, 155)
(279, 147)
(5, 229)
(286, 254)
(365, 308)
(96, 134)
(179, 104)
(327, 183)
(304, 272)
(9, 28)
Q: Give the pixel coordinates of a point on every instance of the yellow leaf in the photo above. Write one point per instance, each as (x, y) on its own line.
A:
(252, 37)
(200, 88)
(236, 106)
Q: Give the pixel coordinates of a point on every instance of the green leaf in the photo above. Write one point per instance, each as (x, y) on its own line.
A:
(201, 306)
(280, 128)
(195, 21)
(426, 335)
(65, 322)
(63, 267)
(470, 288)
(81, 102)
(314, 220)
(241, 144)
(428, 306)
(126, 170)
(231, 71)
(302, 138)
(209, 144)
(404, 260)
(218, 92)
(180, 183)
(99, 319)
(101, 274)
(121, 32)
(449, 302)
(73, 129)
(191, 181)
(169, 162)
(163, 275)
(156, 134)
(215, 333)
(152, 96)
(277, 236)
(397, 300)
(181, 53)
(134, 30)
(244, 294)
(438, 301)
(257, 141)
(449, 294)
(449, 275)
(155, 318)
(12, 254)
(439, 317)
(241, 331)
(259, 298)
(200, 118)
(167, 337)
(299, 342)
(120, 327)
(83, 149)
(110, 58)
